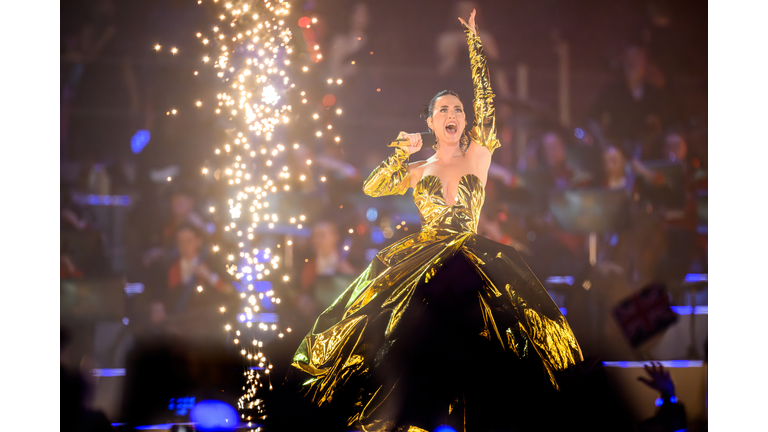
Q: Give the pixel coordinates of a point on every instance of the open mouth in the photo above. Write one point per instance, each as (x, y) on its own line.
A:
(451, 127)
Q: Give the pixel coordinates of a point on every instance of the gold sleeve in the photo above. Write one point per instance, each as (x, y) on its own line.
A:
(484, 129)
(391, 177)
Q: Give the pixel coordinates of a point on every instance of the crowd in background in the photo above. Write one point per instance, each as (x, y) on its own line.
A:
(638, 139)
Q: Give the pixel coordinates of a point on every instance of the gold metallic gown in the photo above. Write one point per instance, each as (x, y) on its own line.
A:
(429, 303)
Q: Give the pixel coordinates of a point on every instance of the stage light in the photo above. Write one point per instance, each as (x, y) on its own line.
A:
(329, 100)
(696, 277)
(214, 415)
(567, 280)
(108, 372)
(377, 235)
(163, 426)
(665, 363)
(690, 310)
(139, 140)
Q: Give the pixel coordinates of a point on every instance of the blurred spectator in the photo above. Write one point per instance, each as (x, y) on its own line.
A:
(326, 274)
(615, 170)
(632, 113)
(620, 175)
(547, 157)
(191, 265)
(662, 241)
(671, 416)
(194, 287)
(635, 252)
(192, 269)
(680, 220)
(183, 212)
(554, 159)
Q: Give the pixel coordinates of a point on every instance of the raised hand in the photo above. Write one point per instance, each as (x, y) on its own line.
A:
(660, 379)
(471, 24)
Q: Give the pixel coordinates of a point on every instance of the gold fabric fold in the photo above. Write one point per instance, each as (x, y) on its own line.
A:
(391, 177)
(483, 130)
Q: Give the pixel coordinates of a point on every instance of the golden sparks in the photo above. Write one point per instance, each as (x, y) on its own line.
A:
(251, 46)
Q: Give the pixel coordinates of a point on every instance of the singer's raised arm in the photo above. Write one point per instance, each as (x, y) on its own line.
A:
(483, 131)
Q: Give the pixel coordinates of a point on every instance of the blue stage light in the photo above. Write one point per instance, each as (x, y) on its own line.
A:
(139, 140)
(578, 133)
(108, 372)
(564, 311)
(568, 280)
(181, 406)
(265, 317)
(132, 289)
(164, 426)
(444, 428)
(688, 310)
(376, 235)
(372, 214)
(660, 401)
(696, 277)
(102, 200)
(267, 304)
(665, 363)
(262, 286)
(213, 415)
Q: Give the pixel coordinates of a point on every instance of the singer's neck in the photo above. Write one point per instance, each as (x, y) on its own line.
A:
(446, 151)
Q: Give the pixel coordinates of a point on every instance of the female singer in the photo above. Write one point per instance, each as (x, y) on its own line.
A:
(444, 326)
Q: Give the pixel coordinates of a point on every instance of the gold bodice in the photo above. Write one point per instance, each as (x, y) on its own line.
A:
(460, 217)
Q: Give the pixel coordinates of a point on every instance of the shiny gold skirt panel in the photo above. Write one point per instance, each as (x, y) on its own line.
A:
(337, 350)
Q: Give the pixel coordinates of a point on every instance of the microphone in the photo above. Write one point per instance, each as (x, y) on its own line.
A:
(427, 138)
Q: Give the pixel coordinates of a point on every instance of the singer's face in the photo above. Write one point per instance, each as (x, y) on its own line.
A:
(448, 119)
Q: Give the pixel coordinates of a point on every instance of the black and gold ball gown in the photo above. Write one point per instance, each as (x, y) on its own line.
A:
(443, 327)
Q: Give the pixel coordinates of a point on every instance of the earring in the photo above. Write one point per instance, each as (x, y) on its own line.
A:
(464, 143)
(434, 146)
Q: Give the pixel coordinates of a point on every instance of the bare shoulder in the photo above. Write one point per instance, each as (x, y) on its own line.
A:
(417, 171)
(416, 165)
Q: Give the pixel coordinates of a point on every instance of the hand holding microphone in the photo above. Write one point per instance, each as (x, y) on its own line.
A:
(412, 142)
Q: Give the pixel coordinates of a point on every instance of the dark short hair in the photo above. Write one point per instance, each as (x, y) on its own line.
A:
(429, 109)
(186, 226)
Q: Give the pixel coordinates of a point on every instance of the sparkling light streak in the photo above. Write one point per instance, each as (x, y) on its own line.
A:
(251, 47)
